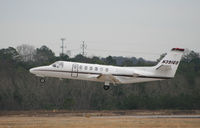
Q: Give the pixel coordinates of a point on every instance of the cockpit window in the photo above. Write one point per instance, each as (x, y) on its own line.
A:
(54, 65)
(58, 64)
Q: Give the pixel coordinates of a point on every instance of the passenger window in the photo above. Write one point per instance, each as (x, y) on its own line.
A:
(101, 69)
(86, 67)
(96, 69)
(91, 68)
(80, 67)
(106, 69)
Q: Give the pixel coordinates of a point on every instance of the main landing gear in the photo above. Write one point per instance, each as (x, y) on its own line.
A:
(106, 85)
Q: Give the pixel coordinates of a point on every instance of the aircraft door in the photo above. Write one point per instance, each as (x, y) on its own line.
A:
(74, 70)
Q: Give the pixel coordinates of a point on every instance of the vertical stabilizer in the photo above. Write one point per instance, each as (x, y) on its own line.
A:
(168, 65)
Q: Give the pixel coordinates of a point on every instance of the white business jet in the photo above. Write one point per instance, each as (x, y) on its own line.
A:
(107, 74)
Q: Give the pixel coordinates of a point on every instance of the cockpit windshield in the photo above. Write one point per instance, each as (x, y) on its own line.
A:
(58, 64)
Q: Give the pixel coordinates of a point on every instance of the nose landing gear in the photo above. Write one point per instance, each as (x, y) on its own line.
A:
(42, 80)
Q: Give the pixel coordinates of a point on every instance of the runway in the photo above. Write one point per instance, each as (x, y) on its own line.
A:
(153, 116)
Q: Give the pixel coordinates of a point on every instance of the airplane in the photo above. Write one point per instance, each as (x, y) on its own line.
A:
(165, 69)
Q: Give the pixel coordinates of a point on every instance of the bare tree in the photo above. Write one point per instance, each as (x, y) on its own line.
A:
(26, 52)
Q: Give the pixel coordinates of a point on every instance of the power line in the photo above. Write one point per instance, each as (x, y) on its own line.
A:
(131, 52)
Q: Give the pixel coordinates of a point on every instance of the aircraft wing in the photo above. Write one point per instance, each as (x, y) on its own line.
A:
(110, 77)
(107, 77)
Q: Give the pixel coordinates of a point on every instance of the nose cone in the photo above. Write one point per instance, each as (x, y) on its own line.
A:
(32, 70)
(39, 71)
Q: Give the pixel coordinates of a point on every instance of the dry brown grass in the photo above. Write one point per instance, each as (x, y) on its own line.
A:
(95, 122)
(96, 119)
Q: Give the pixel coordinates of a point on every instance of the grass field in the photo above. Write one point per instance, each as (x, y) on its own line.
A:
(91, 120)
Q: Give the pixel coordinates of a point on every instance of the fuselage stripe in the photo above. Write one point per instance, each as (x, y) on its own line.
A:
(124, 75)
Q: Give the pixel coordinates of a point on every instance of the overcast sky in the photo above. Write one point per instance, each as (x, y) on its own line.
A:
(141, 28)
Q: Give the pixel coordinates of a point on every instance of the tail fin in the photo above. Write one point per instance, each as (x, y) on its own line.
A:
(168, 65)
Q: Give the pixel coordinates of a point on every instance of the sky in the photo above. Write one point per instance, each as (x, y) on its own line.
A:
(141, 28)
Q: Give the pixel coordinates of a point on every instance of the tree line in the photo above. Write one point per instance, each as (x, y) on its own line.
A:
(20, 90)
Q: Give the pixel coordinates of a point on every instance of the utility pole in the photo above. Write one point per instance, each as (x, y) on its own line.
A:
(62, 47)
(83, 47)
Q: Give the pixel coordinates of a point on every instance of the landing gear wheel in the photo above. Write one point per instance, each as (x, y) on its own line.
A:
(42, 80)
(106, 87)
